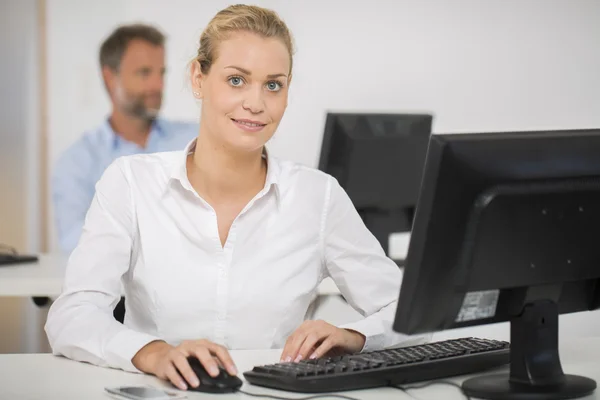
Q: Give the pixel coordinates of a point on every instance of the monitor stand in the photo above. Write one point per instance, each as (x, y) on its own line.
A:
(535, 369)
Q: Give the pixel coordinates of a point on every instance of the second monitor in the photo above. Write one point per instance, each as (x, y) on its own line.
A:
(378, 159)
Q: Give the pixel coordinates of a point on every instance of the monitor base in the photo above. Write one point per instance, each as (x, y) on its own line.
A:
(499, 387)
(535, 369)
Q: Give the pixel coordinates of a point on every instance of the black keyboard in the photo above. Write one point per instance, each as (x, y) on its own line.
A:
(382, 368)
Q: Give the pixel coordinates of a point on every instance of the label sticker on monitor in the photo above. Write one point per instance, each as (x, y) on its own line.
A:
(478, 305)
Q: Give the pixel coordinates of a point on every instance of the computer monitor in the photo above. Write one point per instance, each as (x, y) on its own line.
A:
(506, 229)
(378, 159)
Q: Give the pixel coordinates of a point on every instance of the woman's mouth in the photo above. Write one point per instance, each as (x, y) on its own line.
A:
(249, 125)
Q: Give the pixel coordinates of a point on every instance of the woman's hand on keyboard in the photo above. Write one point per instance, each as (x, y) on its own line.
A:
(314, 339)
(170, 363)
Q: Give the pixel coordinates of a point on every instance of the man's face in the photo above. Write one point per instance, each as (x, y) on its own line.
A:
(136, 88)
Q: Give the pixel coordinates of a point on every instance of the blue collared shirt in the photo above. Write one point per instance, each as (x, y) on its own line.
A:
(81, 166)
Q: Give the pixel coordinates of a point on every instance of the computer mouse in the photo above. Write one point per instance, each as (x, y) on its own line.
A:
(222, 383)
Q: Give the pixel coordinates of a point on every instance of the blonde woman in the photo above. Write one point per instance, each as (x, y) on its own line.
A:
(222, 246)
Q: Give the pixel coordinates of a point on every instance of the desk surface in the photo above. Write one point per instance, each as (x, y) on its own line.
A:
(42, 278)
(43, 376)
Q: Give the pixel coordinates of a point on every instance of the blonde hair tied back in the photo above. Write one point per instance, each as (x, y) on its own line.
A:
(261, 21)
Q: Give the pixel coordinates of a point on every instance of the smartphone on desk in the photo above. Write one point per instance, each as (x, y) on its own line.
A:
(144, 393)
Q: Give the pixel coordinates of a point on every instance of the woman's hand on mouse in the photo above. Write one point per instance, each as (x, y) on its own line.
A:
(314, 339)
(164, 361)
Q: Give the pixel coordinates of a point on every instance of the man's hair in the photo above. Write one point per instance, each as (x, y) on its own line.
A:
(113, 48)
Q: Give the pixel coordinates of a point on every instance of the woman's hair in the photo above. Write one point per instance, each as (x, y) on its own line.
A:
(241, 18)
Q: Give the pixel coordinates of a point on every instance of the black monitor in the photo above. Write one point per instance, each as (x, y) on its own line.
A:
(506, 229)
(378, 159)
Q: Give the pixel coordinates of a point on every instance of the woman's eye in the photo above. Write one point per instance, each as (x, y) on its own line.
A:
(273, 86)
(235, 80)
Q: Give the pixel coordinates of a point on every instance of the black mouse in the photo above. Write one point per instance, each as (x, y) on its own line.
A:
(222, 383)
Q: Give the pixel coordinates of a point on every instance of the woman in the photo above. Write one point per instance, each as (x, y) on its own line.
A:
(222, 245)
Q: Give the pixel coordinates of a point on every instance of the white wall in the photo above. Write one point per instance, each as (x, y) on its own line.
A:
(477, 65)
(20, 123)
(19, 126)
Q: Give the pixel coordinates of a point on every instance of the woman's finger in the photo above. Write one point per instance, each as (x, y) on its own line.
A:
(290, 352)
(183, 366)
(172, 374)
(285, 357)
(327, 345)
(225, 358)
(207, 360)
(306, 350)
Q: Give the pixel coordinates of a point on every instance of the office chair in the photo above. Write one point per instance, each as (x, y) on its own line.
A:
(119, 311)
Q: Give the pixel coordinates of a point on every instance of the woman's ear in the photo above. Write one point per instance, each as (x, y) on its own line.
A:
(196, 78)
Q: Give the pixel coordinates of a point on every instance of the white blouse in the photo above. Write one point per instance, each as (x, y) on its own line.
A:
(148, 232)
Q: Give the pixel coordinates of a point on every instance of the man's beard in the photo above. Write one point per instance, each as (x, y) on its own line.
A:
(135, 106)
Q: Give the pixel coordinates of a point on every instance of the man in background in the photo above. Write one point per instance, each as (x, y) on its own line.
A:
(132, 60)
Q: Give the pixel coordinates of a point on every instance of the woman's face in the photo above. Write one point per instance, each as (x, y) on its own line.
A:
(244, 94)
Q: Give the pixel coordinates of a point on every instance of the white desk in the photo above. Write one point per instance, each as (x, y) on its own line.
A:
(43, 376)
(44, 278)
